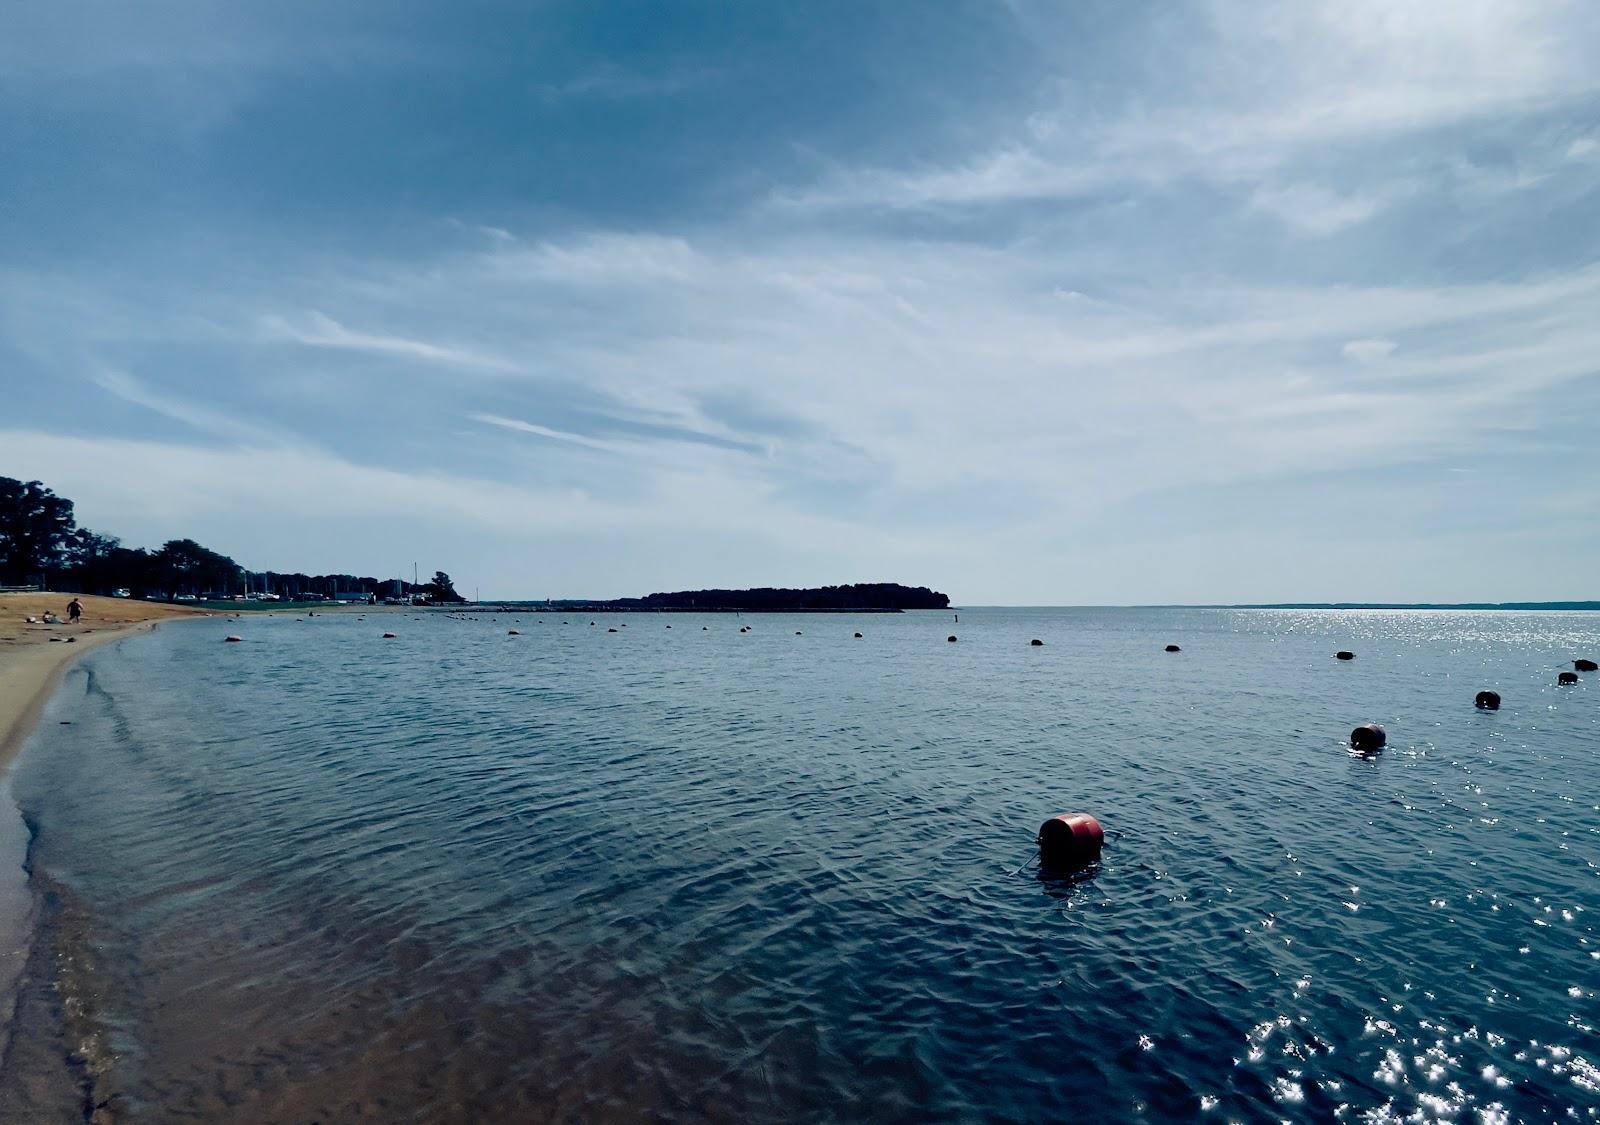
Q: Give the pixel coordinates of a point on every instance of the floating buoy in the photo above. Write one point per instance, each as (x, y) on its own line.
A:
(1036, 643)
(231, 638)
(858, 636)
(1070, 841)
(1368, 736)
(1567, 678)
(669, 626)
(1583, 665)
(513, 633)
(951, 638)
(1174, 648)
(389, 636)
(611, 630)
(705, 628)
(1488, 700)
(1344, 654)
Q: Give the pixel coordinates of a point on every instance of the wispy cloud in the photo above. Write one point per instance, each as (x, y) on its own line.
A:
(1368, 351)
(317, 330)
(214, 423)
(544, 432)
(613, 82)
(1276, 92)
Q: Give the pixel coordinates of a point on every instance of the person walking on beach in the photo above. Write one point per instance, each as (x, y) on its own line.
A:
(74, 610)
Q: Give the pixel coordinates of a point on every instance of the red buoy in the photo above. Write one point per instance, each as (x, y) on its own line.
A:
(1070, 841)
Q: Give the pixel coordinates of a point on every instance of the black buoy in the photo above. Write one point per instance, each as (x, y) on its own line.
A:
(951, 638)
(611, 630)
(798, 633)
(1488, 700)
(858, 636)
(1583, 665)
(1174, 648)
(1344, 654)
(1567, 678)
(1036, 642)
(1070, 841)
(1368, 736)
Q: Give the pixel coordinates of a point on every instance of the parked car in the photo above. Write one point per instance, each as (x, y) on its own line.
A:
(122, 592)
(186, 598)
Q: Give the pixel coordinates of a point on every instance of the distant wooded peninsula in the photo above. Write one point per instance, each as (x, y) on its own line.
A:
(860, 597)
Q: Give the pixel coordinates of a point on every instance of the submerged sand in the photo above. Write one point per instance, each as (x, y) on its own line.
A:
(31, 660)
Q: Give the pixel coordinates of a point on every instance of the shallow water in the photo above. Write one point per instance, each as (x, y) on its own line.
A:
(689, 873)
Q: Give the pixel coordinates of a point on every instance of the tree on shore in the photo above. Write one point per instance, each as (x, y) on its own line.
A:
(40, 541)
(183, 562)
(441, 589)
(34, 526)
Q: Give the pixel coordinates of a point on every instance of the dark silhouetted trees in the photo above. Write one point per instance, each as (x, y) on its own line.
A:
(35, 524)
(40, 542)
(441, 589)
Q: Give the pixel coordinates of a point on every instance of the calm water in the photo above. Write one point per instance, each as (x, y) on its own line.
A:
(687, 873)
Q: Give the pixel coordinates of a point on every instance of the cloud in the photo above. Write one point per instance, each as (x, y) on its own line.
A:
(1368, 351)
(543, 431)
(211, 422)
(610, 82)
(1318, 211)
(317, 330)
(1253, 102)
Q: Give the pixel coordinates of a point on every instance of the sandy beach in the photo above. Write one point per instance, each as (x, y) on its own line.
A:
(32, 656)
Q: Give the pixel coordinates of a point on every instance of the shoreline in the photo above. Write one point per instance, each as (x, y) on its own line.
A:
(30, 670)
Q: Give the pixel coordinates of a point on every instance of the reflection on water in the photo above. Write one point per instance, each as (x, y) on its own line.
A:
(694, 873)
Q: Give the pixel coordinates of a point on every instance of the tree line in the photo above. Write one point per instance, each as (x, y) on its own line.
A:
(42, 544)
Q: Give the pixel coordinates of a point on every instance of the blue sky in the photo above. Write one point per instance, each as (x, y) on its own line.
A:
(1036, 304)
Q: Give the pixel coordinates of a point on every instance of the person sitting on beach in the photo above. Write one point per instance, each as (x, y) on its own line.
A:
(51, 619)
(74, 610)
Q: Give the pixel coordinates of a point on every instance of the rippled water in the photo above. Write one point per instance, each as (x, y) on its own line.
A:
(692, 873)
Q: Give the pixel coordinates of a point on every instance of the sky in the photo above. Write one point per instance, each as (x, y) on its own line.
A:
(1079, 303)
